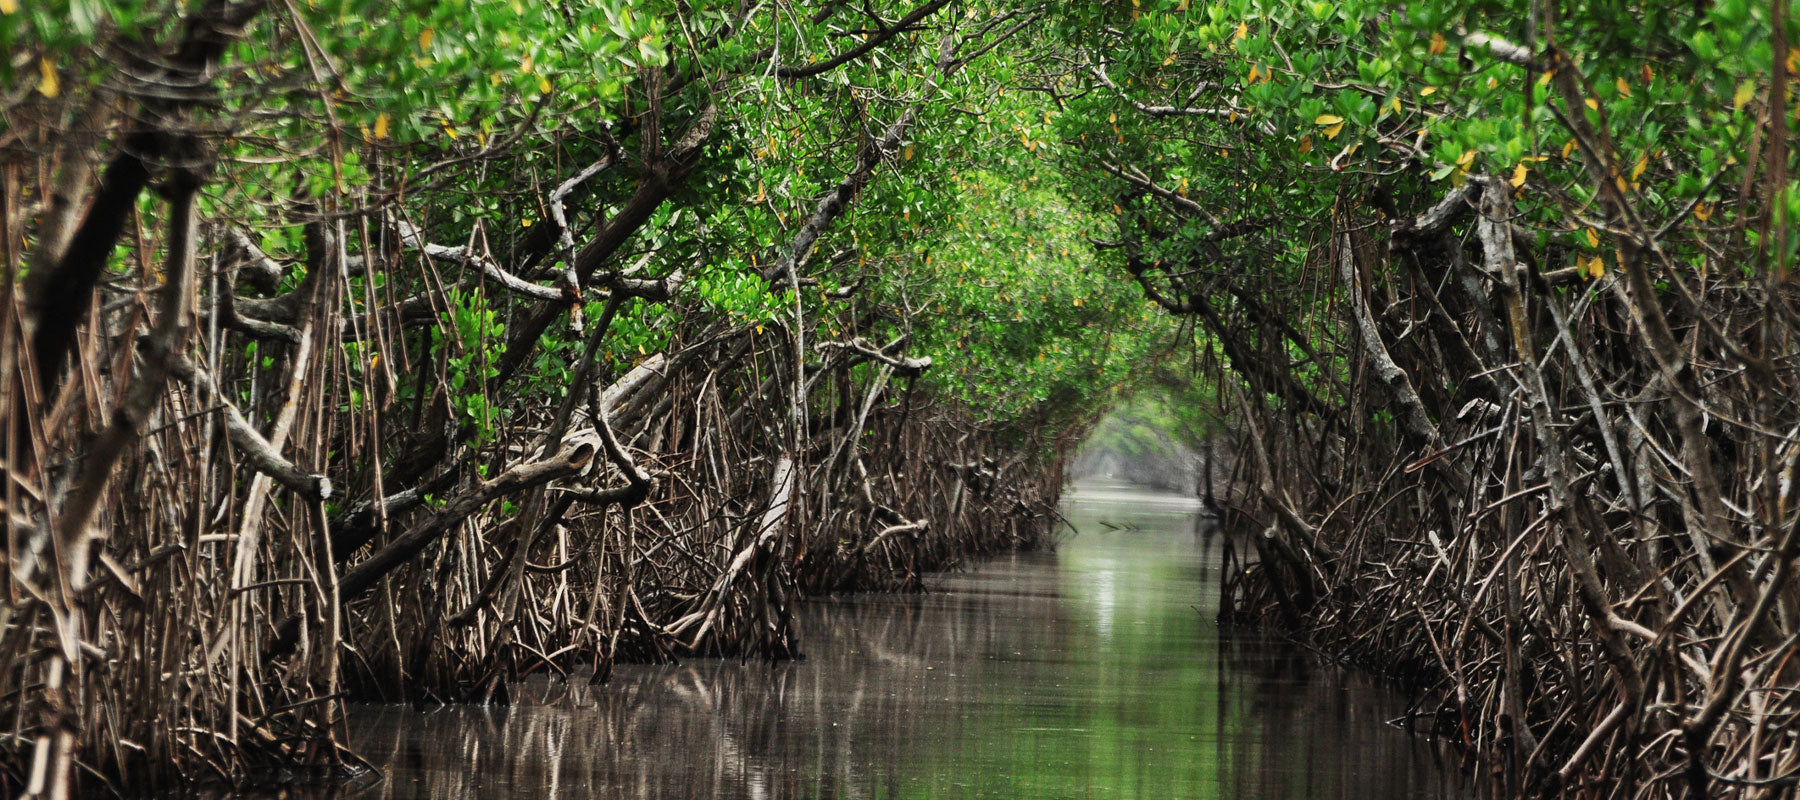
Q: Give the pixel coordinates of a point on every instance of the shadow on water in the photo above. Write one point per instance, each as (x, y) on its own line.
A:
(1095, 671)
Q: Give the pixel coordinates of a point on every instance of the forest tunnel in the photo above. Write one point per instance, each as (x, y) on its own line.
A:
(368, 350)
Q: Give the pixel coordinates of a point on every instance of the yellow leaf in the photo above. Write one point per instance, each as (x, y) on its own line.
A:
(1467, 158)
(525, 223)
(1112, 118)
(1745, 91)
(450, 129)
(1593, 239)
(381, 126)
(1544, 79)
(495, 79)
(9, 6)
(526, 65)
(543, 84)
(1518, 176)
(1243, 30)
(1703, 212)
(1117, 210)
(907, 153)
(1592, 103)
(1428, 91)
(1637, 170)
(1306, 144)
(425, 37)
(1328, 119)
(1437, 44)
(1568, 147)
(1394, 104)
(1169, 60)
(48, 86)
(1650, 75)
(1333, 131)
(759, 328)
(1596, 268)
(1253, 71)
(1623, 87)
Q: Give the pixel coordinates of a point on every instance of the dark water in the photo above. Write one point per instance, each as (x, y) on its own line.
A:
(1092, 672)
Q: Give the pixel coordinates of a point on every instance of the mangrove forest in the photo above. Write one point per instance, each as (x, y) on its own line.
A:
(439, 353)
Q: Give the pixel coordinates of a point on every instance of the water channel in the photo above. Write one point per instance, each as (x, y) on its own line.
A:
(1094, 671)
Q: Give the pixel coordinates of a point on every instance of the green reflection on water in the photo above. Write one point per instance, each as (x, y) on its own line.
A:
(1116, 698)
(1093, 672)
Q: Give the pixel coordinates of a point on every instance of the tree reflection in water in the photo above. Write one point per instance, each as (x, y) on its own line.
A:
(1095, 671)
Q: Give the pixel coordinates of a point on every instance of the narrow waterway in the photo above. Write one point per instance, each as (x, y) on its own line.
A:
(1095, 671)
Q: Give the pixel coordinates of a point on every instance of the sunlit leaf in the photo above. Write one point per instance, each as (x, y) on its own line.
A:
(48, 85)
(1745, 91)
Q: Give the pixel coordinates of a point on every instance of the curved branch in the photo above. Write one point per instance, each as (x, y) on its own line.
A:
(868, 44)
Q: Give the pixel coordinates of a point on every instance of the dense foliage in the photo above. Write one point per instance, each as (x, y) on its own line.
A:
(396, 349)
(1503, 296)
